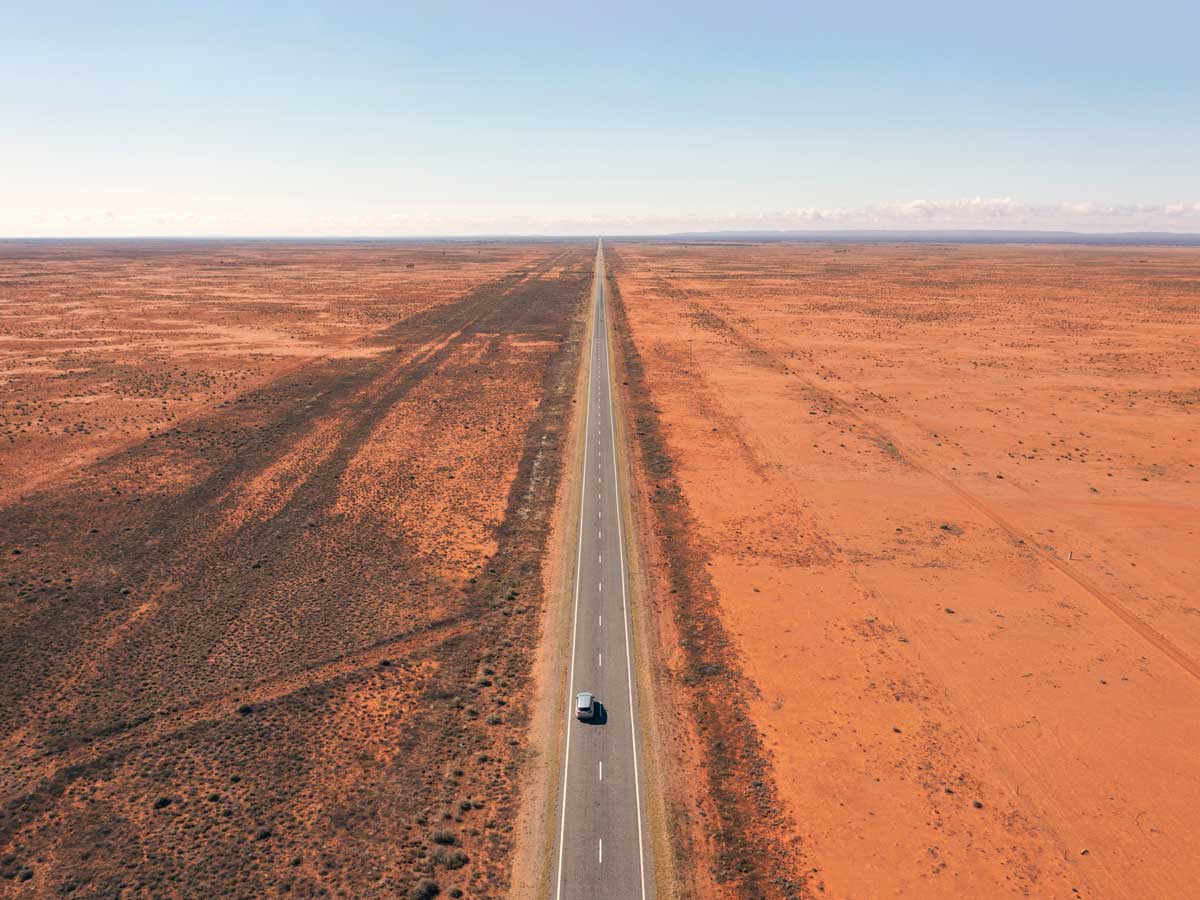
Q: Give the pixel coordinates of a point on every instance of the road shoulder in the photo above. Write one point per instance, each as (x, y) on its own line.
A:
(667, 793)
(541, 779)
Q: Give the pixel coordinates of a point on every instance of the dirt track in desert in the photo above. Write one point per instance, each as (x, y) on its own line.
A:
(924, 562)
(273, 536)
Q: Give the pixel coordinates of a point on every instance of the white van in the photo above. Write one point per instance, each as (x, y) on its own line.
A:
(585, 706)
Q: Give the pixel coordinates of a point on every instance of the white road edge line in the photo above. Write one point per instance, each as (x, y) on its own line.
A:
(562, 828)
(612, 432)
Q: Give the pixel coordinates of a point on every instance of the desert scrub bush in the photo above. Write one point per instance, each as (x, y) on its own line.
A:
(445, 838)
(451, 859)
(425, 889)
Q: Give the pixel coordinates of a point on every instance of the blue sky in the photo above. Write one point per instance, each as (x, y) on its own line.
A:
(596, 118)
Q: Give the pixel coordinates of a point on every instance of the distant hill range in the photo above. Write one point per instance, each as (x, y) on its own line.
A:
(964, 236)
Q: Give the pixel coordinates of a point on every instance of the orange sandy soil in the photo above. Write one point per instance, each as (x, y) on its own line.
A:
(272, 565)
(102, 344)
(947, 499)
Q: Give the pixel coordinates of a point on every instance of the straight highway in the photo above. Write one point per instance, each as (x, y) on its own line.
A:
(602, 849)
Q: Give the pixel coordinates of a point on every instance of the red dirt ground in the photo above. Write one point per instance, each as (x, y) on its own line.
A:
(272, 561)
(102, 344)
(944, 503)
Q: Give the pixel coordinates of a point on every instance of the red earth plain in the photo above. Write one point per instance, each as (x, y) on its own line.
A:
(272, 529)
(918, 526)
(925, 525)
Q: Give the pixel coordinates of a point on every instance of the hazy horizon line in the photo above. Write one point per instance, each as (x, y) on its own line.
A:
(839, 235)
(976, 213)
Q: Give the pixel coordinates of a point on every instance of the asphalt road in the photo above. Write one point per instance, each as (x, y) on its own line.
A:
(603, 850)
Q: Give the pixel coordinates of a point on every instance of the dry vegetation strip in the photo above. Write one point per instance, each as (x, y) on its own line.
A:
(728, 821)
(943, 501)
(283, 645)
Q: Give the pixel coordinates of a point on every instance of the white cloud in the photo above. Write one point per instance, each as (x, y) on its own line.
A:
(969, 213)
(387, 220)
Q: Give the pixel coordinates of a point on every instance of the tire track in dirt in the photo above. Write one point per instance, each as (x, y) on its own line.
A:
(179, 535)
(120, 740)
(180, 532)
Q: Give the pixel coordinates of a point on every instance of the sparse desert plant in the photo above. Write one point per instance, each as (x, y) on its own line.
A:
(451, 859)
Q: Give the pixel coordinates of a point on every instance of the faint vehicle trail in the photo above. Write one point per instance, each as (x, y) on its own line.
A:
(140, 732)
(193, 522)
(1119, 609)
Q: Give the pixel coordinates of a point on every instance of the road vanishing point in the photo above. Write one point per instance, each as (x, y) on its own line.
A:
(603, 851)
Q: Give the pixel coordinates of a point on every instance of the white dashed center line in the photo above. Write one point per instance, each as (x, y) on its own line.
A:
(572, 884)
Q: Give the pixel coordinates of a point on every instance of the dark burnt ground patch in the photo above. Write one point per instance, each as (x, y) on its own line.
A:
(709, 682)
(239, 549)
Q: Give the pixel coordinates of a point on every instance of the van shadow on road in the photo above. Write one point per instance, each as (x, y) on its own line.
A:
(599, 717)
